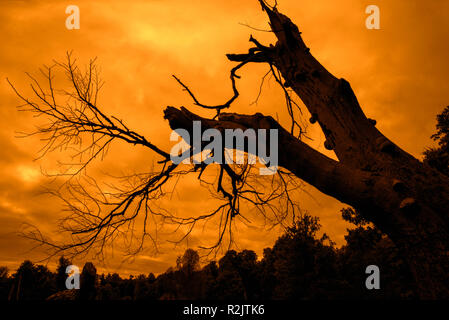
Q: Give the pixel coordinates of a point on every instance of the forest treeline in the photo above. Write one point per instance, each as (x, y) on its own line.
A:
(300, 265)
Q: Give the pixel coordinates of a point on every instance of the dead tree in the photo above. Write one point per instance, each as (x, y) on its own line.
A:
(404, 198)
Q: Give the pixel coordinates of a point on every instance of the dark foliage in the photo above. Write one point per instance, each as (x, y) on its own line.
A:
(300, 265)
(439, 157)
(61, 274)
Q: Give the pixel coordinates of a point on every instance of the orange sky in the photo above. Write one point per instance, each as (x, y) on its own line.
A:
(399, 74)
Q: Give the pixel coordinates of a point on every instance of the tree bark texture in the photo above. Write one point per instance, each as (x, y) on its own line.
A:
(404, 198)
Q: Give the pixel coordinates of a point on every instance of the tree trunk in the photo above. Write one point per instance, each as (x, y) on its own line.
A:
(404, 198)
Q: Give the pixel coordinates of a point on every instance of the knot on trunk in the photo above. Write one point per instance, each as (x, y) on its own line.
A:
(385, 145)
(329, 145)
(409, 205)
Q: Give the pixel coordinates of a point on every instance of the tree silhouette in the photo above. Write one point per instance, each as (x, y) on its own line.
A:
(439, 157)
(5, 283)
(403, 197)
(190, 261)
(31, 282)
(88, 280)
(61, 274)
(300, 266)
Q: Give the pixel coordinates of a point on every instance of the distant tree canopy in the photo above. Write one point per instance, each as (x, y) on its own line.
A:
(299, 266)
(189, 262)
(61, 274)
(31, 282)
(439, 157)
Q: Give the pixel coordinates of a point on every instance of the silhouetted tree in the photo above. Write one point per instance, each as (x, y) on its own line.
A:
(5, 283)
(439, 157)
(229, 283)
(151, 278)
(144, 288)
(190, 261)
(61, 275)
(32, 282)
(3, 272)
(209, 276)
(403, 197)
(88, 280)
(303, 266)
(366, 245)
